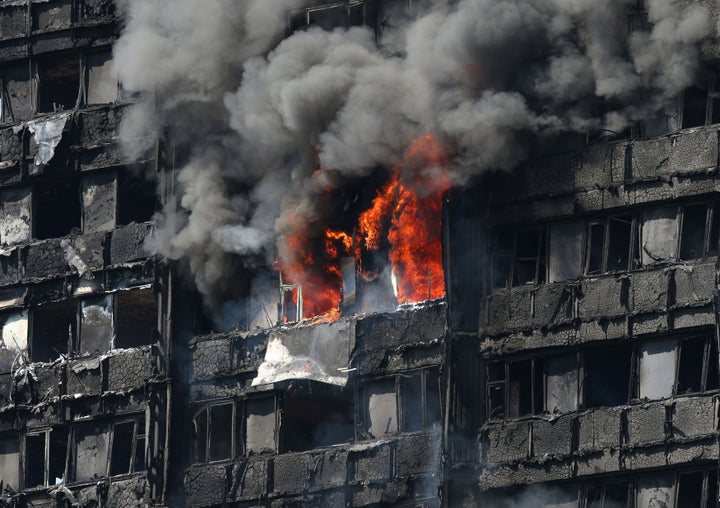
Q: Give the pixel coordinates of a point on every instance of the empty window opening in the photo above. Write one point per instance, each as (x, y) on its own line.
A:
(619, 243)
(502, 259)
(520, 389)
(96, 324)
(91, 451)
(291, 302)
(690, 490)
(692, 236)
(137, 198)
(128, 447)
(53, 328)
(135, 318)
(322, 418)
(58, 83)
(57, 211)
(10, 461)
(690, 365)
(695, 103)
(607, 375)
(596, 243)
(610, 495)
(214, 430)
(45, 457)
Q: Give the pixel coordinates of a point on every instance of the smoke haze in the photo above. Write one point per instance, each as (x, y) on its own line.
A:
(259, 113)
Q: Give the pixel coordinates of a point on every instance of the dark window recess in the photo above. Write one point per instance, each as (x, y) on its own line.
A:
(313, 420)
(692, 237)
(714, 230)
(35, 460)
(610, 495)
(518, 258)
(122, 448)
(56, 208)
(619, 243)
(45, 457)
(690, 490)
(135, 318)
(54, 328)
(137, 199)
(607, 375)
(58, 83)
(214, 428)
(596, 243)
(329, 17)
(514, 388)
(695, 102)
(128, 447)
(690, 370)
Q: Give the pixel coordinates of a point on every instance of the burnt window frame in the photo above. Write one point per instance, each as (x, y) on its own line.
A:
(306, 11)
(709, 353)
(363, 401)
(537, 393)
(237, 431)
(606, 224)
(712, 218)
(38, 81)
(712, 100)
(512, 253)
(140, 432)
(46, 432)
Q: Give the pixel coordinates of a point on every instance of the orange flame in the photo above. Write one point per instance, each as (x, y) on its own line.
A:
(407, 211)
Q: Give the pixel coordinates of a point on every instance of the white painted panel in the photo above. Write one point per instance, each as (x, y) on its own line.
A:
(657, 369)
(561, 389)
(659, 235)
(382, 408)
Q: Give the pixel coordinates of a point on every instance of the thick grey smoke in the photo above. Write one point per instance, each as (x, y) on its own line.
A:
(259, 114)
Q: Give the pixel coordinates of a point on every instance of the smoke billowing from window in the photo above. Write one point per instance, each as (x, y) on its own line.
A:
(259, 114)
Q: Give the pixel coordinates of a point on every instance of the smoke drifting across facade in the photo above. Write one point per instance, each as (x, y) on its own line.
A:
(359, 253)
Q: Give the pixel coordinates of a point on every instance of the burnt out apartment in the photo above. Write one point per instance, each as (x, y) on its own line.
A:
(558, 349)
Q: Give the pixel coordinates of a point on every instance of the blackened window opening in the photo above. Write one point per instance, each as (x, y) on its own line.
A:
(695, 102)
(137, 199)
(122, 447)
(58, 83)
(135, 318)
(54, 327)
(56, 208)
(35, 460)
(607, 374)
(313, 420)
(619, 243)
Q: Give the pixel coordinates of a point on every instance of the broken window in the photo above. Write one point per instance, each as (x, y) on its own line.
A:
(17, 103)
(91, 451)
(135, 318)
(136, 198)
(10, 461)
(291, 302)
(45, 457)
(561, 383)
(610, 245)
(101, 81)
(321, 418)
(518, 258)
(58, 83)
(697, 489)
(330, 16)
(53, 329)
(56, 208)
(565, 251)
(515, 385)
(607, 372)
(128, 447)
(404, 403)
(215, 432)
(700, 103)
(96, 324)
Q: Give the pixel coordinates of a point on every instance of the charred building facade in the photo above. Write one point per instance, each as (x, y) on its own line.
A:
(545, 335)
